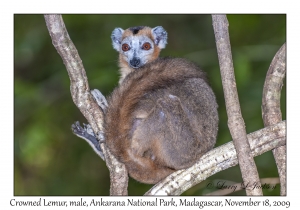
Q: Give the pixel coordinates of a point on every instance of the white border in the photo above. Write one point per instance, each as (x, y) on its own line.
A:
(115, 6)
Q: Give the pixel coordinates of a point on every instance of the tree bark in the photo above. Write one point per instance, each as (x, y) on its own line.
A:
(271, 112)
(83, 99)
(236, 123)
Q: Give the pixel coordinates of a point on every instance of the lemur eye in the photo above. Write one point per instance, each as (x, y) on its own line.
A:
(146, 46)
(125, 47)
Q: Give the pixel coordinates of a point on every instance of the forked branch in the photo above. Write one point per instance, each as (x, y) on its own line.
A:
(82, 97)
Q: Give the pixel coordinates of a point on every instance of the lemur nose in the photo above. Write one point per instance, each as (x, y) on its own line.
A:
(135, 62)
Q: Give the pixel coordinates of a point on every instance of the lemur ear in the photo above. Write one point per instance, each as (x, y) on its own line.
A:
(116, 38)
(160, 36)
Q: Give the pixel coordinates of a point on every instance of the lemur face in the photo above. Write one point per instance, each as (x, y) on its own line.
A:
(138, 45)
(137, 50)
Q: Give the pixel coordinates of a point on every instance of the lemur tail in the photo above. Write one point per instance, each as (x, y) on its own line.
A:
(160, 73)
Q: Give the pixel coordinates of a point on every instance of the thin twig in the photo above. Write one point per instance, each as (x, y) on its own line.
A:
(271, 108)
(82, 97)
(236, 123)
(219, 159)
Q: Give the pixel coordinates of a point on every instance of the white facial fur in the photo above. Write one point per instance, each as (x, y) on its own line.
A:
(136, 52)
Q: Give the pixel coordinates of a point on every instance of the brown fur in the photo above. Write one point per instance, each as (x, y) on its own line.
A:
(162, 118)
(144, 31)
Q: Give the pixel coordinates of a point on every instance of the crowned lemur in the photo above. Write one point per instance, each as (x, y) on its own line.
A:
(163, 115)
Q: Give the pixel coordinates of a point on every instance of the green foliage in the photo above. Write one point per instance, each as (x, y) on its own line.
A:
(50, 160)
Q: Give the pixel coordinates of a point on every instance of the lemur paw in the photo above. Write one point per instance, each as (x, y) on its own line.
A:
(99, 98)
(87, 134)
(84, 131)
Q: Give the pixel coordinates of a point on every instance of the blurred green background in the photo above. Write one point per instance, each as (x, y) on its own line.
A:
(50, 160)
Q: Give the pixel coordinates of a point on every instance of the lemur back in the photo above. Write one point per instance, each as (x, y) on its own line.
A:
(163, 115)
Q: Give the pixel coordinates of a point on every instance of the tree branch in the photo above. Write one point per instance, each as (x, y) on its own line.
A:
(220, 159)
(271, 112)
(236, 123)
(82, 97)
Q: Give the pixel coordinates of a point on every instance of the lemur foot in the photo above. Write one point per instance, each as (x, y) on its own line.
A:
(86, 133)
(100, 99)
